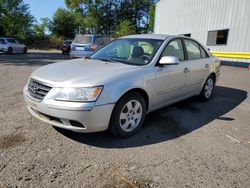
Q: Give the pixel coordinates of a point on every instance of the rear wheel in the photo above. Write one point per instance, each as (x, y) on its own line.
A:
(128, 115)
(208, 88)
(10, 50)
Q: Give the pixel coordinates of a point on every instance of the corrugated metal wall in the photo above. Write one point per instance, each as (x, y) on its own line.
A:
(200, 16)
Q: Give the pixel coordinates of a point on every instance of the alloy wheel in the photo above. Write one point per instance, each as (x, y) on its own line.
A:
(130, 116)
(209, 87)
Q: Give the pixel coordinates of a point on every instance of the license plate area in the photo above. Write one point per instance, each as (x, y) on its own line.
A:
(80, 48)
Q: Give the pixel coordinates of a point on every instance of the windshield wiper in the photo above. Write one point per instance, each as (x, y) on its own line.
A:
(106, 60)
(113, 60)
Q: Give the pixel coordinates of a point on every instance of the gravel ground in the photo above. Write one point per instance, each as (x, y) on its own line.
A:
(189, 144)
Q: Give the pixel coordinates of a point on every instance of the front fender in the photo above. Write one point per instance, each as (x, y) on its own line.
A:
(114, 90)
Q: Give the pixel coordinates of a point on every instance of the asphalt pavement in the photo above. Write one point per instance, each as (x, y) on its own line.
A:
(188, 144)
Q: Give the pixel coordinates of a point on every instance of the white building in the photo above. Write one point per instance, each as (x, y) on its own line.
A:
(222, 25)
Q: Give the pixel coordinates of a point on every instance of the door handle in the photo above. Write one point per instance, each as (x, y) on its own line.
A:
(206, 66)
(186, 70)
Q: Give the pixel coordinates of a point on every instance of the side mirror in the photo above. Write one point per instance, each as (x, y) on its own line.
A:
(169, 60)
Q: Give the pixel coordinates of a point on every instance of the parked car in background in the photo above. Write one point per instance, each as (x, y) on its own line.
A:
(86, 45)
(11, 45)
(66, 47)
(120, 83)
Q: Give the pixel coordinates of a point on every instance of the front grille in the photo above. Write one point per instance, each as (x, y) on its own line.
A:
(37, 90)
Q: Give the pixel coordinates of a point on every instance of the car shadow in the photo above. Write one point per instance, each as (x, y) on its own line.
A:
(171, 122)
(32, 58)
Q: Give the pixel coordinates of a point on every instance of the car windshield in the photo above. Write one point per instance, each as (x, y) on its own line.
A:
(83, 39)
(132, 51)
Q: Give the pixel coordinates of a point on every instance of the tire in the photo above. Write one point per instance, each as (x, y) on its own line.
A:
(208, 88)
(25, 50)
(128, 115)
(10, 50)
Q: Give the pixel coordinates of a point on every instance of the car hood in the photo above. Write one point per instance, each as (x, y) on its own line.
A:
(81, 72)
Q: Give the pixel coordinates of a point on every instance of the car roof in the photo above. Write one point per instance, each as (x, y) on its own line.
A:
(148, 36)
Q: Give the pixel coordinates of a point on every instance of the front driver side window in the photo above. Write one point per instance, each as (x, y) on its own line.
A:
(174, 48)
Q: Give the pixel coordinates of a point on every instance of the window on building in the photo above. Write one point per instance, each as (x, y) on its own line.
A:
(218, 37)
(186, 35)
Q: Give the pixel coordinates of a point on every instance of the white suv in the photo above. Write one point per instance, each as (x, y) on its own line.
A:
(11, 45)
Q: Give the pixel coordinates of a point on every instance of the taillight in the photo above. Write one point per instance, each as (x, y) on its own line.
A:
(93, 47)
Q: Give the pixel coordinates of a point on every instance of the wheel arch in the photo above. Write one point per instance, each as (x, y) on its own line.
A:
(213, 75)
(140, 91)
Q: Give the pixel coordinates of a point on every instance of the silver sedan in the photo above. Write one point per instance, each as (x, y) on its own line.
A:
(11, 45)
(119, 84)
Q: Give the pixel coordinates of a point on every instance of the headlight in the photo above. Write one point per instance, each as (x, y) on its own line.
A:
(88, 94)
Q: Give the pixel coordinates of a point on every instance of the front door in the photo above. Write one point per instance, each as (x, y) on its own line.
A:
(171, 79)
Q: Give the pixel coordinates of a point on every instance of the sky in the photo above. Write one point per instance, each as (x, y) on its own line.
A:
(44, 8)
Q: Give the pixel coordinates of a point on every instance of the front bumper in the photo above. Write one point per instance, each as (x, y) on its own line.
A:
(78, 117)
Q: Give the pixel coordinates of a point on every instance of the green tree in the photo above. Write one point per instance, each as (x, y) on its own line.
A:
(64, 23)
(40, 28)
(103, 16)
(152, 17)
(98, 14)
(124, 28)
(15, 19)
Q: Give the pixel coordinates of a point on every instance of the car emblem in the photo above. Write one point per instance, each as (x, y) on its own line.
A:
(35, 88)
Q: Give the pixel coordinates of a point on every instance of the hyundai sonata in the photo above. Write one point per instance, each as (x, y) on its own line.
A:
(120, 83)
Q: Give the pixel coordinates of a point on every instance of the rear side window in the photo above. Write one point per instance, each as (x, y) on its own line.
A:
(174, 48)
(102, 40)
(106, 40)
(1, 41)
(193, 49)
(203, 53)
(83, 39)
(99, 40)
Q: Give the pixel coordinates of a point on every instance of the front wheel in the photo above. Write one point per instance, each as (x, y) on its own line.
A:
(128, 115)
(208, 88)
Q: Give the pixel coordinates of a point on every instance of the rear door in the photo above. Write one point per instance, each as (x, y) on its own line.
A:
(14, 45)
(196, 66)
